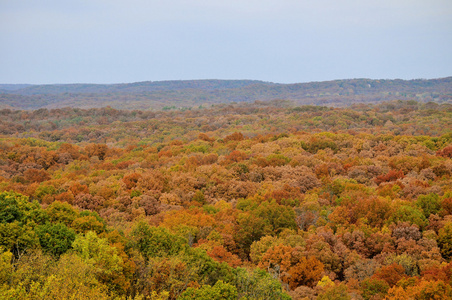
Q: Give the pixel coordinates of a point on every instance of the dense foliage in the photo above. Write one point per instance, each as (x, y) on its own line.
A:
(244, 201)
(187, 94)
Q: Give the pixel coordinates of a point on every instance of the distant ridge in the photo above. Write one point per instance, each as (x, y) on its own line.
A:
(13, 87)
(136, 87)
(193, 93)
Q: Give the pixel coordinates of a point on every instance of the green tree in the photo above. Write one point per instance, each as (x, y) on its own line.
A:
(55, 239)
(6, 268)
(220, 291)
(371, 287)
(407, 213)
(430, 204)
(155, 241)
(37, 277)
(62, 212)
(18, 219)
(9, 207)
(275, 215)
(445, 241)
(17, 207)
(106, 264)
(258, 284)
(207, 270)
(18, 238)
(250, 228)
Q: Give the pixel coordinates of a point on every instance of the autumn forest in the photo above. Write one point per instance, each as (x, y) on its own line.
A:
(259, 199)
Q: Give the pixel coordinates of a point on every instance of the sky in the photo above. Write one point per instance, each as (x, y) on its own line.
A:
(284, 41)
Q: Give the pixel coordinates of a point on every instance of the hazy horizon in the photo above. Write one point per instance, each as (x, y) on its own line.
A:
(205, 79)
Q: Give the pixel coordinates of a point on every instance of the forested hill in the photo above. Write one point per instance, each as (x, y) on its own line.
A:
(137, 87)
(194, 93)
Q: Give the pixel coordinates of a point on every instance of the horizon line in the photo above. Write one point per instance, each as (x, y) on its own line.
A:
(215, 79)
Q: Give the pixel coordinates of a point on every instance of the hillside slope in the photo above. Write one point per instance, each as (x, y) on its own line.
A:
(193, 93)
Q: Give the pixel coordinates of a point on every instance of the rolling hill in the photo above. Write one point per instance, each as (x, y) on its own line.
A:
(186, 94)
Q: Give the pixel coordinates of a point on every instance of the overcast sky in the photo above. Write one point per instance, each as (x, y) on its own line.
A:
(286, 41)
